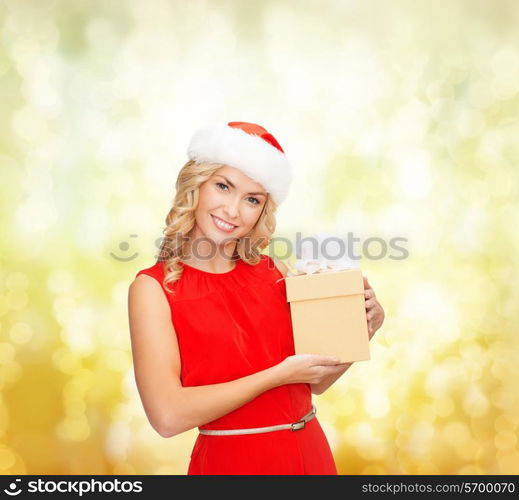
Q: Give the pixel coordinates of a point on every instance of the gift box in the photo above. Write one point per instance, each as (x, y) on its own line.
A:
(328, 314)
(327, 306)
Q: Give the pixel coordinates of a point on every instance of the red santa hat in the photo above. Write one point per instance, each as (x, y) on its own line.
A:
(247, 147)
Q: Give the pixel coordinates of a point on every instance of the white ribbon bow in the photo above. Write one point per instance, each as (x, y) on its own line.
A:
(310, 262)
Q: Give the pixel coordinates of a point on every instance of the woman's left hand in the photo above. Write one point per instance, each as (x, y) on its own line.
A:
(374, 312)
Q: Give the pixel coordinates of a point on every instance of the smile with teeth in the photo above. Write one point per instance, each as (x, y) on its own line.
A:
(223, 225)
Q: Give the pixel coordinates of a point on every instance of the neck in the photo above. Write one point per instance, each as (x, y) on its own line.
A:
(209, 255)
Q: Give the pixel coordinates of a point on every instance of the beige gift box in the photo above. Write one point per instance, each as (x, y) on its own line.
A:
(329, 315)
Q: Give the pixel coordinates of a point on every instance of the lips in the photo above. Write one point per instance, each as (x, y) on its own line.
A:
(226, 230)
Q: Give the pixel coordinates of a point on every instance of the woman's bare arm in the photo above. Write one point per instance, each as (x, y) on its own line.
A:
(170, 407)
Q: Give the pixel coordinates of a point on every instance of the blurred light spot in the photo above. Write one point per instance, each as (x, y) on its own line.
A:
(17, 299)
(414, 174)
(470, 226)
(41, 90)
(331, 434)
(502, 397)
(29, 124)
(372, 450)
(124, 187)
(63, 308)
(373, 470)
(17, 281)
(403, 423)
(505, 440)
(5, 66)
(77, 332)
(473, 470)
(21, 333)
(7, 353)
(362, 436)
(456, 433)
(505, 65)
(120, 293)
(470, 122)
(112, 148)
(164, 470)
(92, 230)
(370, 142)
(506, 422)
(66, 360)
(34, 216)
(479, 94)
(427, 468)
(11, 373)
(61, 281)
(128, 385)
(509, 462)
(80, 384)
(505, 88)
(7, 457)
(74, 429)
(5, 418)
(118, 360)
(490, 147)
(100, 35)
(434, 309)
(376, 401)
(475, 403)
(296, 85)
(74, 406)
(118, 441)
(138, 214)
(469, 451)
(443, 406)
(124, 469)
(4, 304)
(472, 352)
(420, 437)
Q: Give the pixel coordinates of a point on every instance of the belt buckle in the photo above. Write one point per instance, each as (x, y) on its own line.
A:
(296, 426)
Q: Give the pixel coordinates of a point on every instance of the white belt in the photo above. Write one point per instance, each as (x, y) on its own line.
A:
(300, 424)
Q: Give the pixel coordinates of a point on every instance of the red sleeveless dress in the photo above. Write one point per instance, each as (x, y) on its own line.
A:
(230, 325)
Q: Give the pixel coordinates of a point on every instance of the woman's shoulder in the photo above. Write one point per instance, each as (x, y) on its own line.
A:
(155, 271)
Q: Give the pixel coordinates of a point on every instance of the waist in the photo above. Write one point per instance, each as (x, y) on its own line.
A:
(283, 404)
(292, 426)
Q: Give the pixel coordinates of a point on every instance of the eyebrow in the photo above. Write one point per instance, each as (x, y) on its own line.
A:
(233, 186)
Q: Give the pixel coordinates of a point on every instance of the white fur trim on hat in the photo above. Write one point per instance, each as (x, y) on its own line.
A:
(255, 157)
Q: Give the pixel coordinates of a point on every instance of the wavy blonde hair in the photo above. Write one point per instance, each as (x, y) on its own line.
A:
(181, 220)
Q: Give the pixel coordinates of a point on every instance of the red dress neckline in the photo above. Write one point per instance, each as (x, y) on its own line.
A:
(226, 273)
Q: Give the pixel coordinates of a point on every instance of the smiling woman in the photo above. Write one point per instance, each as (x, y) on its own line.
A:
(232, 210)
(226, 224)
(210, 324)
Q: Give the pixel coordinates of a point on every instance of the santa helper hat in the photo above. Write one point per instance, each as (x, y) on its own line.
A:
(247, 147)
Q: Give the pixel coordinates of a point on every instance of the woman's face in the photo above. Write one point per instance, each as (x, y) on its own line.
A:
(231, 197)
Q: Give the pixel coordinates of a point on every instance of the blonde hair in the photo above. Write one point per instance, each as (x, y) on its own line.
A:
(181, 220)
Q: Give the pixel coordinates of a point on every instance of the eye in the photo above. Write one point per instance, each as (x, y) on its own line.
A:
(221, 184)
(256, 201)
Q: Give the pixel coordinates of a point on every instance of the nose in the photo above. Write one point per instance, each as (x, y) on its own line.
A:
(232, 209)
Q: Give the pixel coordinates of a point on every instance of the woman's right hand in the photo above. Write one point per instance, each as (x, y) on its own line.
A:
(307, 368)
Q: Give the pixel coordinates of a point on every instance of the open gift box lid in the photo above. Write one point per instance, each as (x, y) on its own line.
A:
(323, 285)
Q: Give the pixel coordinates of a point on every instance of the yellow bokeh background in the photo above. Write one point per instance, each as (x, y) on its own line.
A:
(400, 118)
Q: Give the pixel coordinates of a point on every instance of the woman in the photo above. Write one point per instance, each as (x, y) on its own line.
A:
(210, 325)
